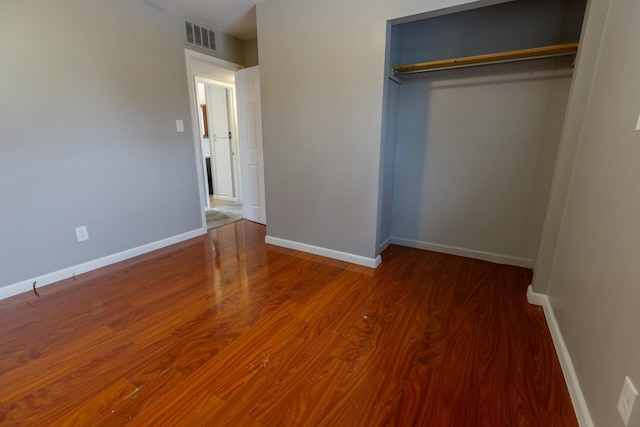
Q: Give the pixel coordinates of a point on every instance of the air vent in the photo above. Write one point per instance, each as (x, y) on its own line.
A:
(200, 36)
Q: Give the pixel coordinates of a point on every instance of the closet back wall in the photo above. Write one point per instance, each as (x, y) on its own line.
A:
(476, 147)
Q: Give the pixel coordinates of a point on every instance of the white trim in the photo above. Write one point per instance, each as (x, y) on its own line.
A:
(569, 372)
(212, 60)
(207, 80)
(65, 273)
(329, 253)
(202, 180)
(469, 253)
(534, 298)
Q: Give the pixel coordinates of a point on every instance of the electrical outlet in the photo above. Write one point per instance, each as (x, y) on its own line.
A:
(179, 125)
(82, 233)
(626, 401)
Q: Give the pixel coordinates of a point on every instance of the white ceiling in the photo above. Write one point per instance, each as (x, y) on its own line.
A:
(234, 17)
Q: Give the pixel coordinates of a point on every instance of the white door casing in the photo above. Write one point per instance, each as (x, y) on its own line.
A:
(251, 149)
(205, 144)
(205, 67)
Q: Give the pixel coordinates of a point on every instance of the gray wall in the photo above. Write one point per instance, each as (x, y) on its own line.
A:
(475, 156)
(476, 147)
(389, 132)
(89, 93)
(515, 25)
(594, 270)
(229, 48)
(250, 53)
(572, 128)
(322, 95)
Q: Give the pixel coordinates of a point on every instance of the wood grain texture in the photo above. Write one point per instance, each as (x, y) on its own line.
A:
(533, 53)
(226, 330)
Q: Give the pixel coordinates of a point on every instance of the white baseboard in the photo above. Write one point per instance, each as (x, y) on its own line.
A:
(535, 298)
(56, 276)
(469, 253)
(570, 377)
(329, 253)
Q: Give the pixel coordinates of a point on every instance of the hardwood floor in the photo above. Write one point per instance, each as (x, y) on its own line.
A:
(216, 203)
(225, 330)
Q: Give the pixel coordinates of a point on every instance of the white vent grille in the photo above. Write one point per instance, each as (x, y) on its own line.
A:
(200, 36)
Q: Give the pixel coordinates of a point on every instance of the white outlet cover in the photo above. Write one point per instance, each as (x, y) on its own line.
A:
(82, 234)
(626, 401)
(179, 125)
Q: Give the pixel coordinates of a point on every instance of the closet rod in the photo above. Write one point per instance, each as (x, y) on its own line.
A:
(492, 58)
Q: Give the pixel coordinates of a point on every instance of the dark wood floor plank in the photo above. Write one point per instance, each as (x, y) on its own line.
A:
(417, 404)
(231, 368)
(198, 409)
(92, 409)
(48, 368)
(297, 368)
(334, 307)
(127, 409)
(226, 416)
(314, 401)
(18, 355)
(172, 402)
(83, 379)
(225, 330)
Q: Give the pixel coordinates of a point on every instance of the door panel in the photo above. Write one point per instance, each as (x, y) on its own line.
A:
(251, 124)
(251, 151)
(255, 184)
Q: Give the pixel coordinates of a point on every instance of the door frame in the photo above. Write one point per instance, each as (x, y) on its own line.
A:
(233, 126)
(199, 64)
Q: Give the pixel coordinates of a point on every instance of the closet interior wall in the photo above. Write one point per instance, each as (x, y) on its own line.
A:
(468, 155)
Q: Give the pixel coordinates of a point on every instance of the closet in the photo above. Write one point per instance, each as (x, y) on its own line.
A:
(474, 108)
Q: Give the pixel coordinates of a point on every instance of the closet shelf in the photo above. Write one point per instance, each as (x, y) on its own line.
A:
(492, 58)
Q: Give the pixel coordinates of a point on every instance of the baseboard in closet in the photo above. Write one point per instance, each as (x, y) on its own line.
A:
(469, 253)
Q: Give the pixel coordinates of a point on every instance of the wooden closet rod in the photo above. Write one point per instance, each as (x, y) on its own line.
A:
(492, 58)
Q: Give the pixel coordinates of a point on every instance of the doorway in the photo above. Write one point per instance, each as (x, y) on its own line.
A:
(235, 161)
(218, 141)
(213, 112)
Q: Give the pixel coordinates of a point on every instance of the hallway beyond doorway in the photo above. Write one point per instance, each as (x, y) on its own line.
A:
(216, 203)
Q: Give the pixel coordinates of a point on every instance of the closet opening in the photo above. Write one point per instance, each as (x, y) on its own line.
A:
(468, 150)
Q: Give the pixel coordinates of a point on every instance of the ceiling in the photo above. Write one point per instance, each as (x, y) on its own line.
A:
(234, 17)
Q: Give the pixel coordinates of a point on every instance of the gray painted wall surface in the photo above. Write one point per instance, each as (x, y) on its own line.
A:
(322, 96)
(475, 156)
(574, 119)
(594, 280)
(89, 92)
(250, 53)
(476, 147)
(228, 48)
(389, 133)
(521, 24)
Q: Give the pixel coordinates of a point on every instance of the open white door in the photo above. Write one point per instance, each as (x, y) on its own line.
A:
(251, 154)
